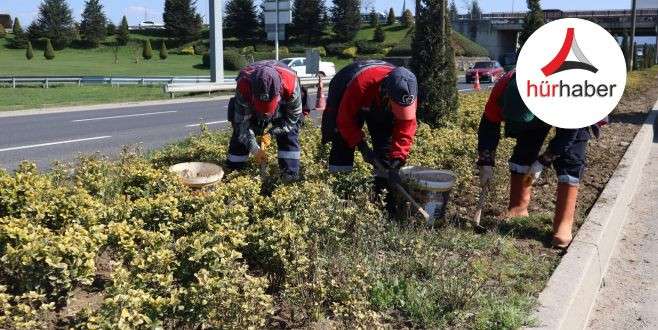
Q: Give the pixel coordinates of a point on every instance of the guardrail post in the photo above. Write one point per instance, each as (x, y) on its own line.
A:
(46, 83)
(142, 81)
(79, 81)
(13, 82)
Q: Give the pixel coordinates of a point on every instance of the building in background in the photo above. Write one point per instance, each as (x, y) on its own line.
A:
(647, 4)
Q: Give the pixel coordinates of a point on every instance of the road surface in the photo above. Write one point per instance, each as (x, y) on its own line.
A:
(629, 297)
(47, 137)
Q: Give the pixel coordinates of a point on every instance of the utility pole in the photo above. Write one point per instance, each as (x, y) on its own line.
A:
(631, 58)
(216, 41)
(276, 31)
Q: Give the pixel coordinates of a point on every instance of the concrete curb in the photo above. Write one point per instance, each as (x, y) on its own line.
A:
(571, 291)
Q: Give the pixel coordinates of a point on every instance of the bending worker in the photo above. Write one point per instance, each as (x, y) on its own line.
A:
(267, 92)
(566, 152)
(385, 98)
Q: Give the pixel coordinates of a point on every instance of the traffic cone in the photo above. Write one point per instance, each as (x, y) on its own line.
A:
(476, 84)
(320, 100)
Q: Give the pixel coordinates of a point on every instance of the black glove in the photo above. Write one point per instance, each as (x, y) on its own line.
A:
(366, 152)
(486, 158)
(394, 171)
(278, 131)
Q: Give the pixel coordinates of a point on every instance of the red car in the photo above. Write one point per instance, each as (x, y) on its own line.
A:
(489, 71)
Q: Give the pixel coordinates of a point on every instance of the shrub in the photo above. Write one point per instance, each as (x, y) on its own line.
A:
(380, 35)
(335, 49)
(164, 53)
(147, 52)
(200, 48)
(189, 50)
(321, 51)
(368, 47)
(234, 61)
(3, 33)
(466, 47)
(297, 49)
(247, 50)
(350, 52)
(407, 19)
(49, 52)
(29, 53)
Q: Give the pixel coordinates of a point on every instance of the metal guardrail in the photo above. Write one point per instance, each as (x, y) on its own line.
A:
(174, 88)
(46, 81)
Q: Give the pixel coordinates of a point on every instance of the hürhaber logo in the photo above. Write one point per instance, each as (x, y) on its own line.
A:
(571, 73)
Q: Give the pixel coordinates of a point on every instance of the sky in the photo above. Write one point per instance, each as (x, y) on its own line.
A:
(140, 10)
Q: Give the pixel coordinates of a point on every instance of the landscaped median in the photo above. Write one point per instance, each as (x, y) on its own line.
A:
(122, 244)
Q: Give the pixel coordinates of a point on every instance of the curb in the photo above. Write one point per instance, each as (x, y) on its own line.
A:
(571, 292)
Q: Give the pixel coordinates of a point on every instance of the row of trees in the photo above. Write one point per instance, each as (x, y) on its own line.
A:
(55, 22)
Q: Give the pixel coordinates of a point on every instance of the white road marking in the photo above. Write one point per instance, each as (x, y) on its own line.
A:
(125, 116)
(54, 143)
(209, 123)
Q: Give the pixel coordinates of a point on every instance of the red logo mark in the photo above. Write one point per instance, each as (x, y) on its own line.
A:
(560, 63)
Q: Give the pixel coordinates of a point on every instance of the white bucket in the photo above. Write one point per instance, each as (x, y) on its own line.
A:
(430, 188)
(198, 175)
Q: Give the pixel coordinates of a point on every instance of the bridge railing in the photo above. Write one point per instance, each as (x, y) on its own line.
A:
(556, 14)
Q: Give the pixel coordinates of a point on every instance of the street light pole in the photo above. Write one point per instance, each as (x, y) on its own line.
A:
(216, 41)
(276, 31)
(631, 56)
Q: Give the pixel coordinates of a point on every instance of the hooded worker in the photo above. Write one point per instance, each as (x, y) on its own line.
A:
(382, 96)
(566, 152)
(267, 93)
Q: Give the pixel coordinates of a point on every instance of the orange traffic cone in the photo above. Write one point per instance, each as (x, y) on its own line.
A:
(476, 84)
(320, 100)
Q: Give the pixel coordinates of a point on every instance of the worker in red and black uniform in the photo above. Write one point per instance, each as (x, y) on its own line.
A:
(566, 152)
(267, 93)
(382, 96)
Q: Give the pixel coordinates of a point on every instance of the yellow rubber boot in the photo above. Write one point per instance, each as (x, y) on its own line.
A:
(519, 197)
(565, 210)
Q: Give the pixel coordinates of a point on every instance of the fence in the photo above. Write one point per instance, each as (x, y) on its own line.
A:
(46, 81)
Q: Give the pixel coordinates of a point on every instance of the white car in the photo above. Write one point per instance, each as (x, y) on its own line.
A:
(328, 69)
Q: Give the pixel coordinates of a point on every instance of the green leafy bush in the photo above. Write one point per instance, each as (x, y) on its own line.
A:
(350, 52)
(189, 50)
(368, 47)
(49, 52)
(335, 49)
(147, 51)
(234, 61)
(29, 52)
(164, 53)
(200, 48)
(3, 32)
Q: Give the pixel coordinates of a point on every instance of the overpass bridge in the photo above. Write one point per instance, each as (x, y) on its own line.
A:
(498, 32)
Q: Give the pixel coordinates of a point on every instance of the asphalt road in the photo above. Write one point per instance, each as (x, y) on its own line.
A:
(47, 137)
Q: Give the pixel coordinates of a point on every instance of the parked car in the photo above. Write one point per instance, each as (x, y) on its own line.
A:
(328, 69)
(489, 71)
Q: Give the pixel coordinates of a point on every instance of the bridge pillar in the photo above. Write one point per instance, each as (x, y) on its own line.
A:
(216, 41)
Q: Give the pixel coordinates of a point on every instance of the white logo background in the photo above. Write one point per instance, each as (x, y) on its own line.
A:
(600, 48)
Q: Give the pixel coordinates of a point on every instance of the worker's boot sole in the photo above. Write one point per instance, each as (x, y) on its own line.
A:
(565, 210)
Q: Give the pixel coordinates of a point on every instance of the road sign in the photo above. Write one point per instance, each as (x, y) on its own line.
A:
(277, 13)
(312, 61)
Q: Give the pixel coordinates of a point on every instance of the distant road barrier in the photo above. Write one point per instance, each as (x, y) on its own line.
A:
(171, 85)
(227, 86)
(46, 81)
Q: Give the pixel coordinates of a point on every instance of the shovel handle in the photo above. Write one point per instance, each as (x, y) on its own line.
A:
(413, 202)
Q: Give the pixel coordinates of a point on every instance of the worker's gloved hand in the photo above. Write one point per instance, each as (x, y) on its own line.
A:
(535, 170)
(486, 175)
(486, 158)
(277, 131)
(261, 157)
(393, 168)
(366, 152)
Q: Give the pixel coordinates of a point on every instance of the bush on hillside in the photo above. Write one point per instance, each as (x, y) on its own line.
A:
(247, 50)
(200, 48)
(297, 49)
(233, 60)
(29, 53)
(335, 49)
(379, 35)
(368, 47)
(49, 52)
(3, 33)
(189, 50)
(164, 53)
(350, 52)
(147, 52)
(466, 47)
